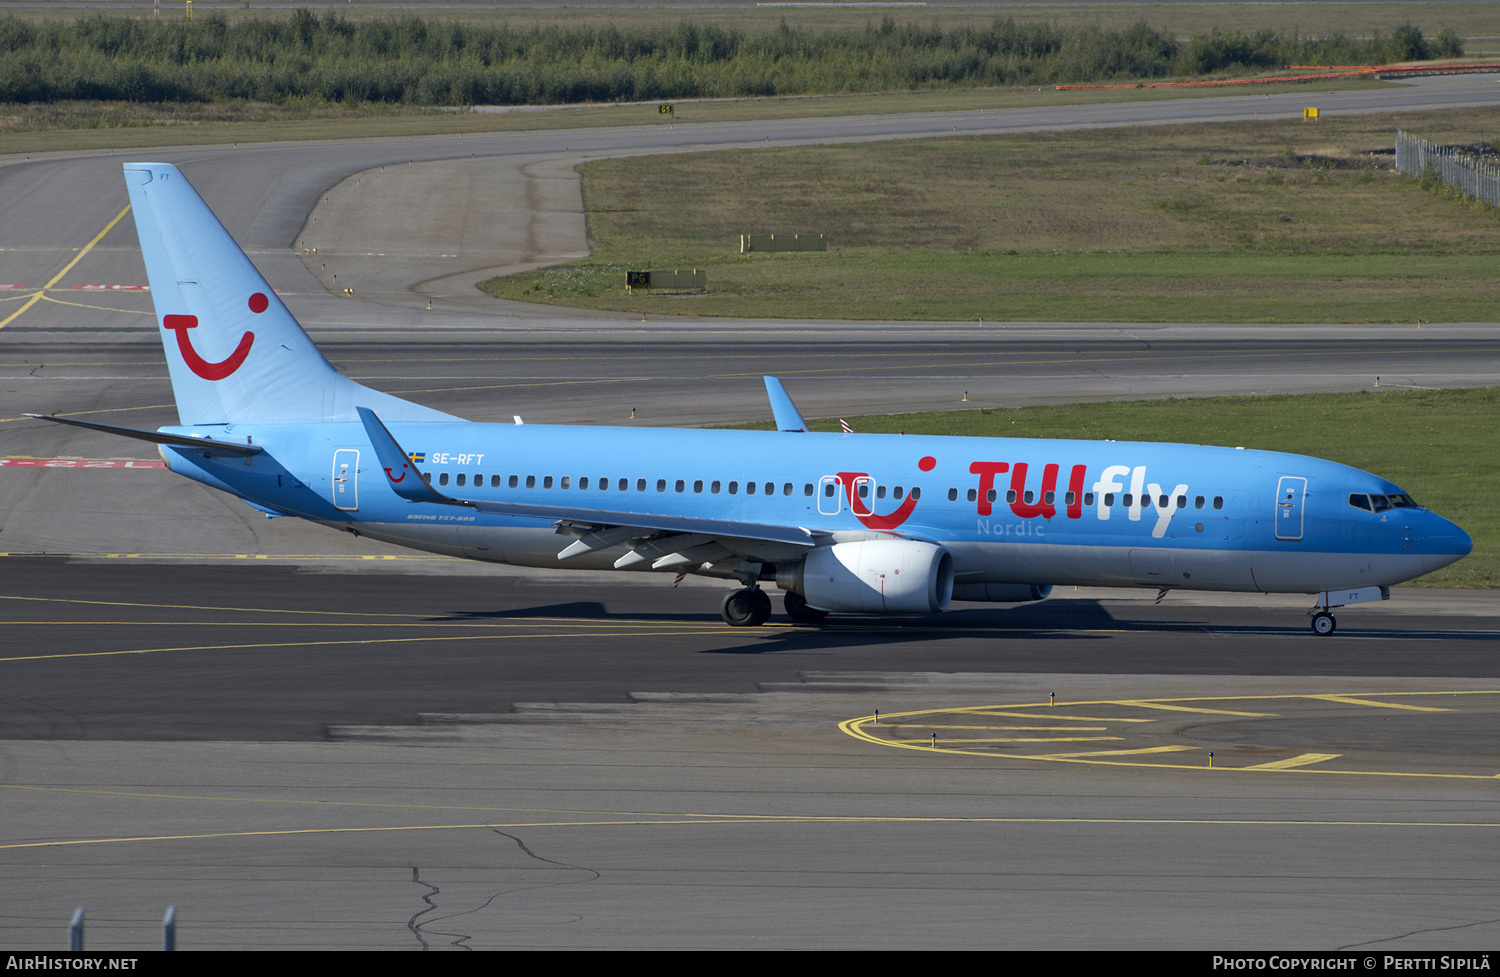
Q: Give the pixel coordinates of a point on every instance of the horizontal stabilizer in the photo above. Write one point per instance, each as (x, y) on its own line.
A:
(175, 440)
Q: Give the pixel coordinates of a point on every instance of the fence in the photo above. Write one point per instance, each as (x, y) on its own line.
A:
(1477, 178)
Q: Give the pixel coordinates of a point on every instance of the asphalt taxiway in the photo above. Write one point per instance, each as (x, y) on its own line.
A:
(306, 740)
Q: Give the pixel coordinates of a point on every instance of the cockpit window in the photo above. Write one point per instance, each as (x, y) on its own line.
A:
(1380, 503)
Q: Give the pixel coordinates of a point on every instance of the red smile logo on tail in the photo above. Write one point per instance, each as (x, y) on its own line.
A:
(180, 324)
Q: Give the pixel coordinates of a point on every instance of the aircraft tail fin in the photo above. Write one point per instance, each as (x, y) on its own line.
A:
(235, 352)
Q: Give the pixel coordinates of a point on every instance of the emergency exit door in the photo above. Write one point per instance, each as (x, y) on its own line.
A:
(346, 479)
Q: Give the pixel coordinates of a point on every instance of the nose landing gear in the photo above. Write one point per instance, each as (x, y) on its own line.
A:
(1321, 613)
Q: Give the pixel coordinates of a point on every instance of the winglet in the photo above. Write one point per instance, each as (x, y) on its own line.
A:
(788, 417)
(400, 473)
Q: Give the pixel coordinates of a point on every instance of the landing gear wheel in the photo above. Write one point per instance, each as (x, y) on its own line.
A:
(1323, 623)
(746, 608)
(797, 609)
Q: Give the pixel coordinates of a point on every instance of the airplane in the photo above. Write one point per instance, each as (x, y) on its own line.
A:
(842, 523)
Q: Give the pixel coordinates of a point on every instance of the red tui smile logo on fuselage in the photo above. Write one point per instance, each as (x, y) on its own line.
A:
(861, 509)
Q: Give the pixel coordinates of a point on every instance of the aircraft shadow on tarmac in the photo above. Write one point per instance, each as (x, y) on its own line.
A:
(1065, 619)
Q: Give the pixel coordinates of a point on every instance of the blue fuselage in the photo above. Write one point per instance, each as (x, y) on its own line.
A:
(1009, 510)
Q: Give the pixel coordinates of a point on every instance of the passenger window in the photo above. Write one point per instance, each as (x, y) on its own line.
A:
(547, 482)
(1010, 495)
(880, 492)
(681, 486)
(916, 492)
(624, 485)
(661, 485)
(786, 489)
(1049, 497)
(973, 495)
(427, 477)
(443, 479)
(1218, 502)
(1088, 498)
(807, 488)
(1129, 500)
(1029, 496)
(460, 479)
(734, 488)
(1068, 499)
(864, 490)
(749, 488)
(640, 485)
(953, 495)
(1182, 502)
(1198, 502)
(771, 488)
(714, 487)
(494, 481)
(604, 484)
(1109, 500)
(698, 486)
(828, 490)
(896, 492)
(531, 481)
(565, 481)
(583, 482)
(514, 481)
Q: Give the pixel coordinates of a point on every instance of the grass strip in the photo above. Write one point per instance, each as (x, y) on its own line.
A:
(1261, 221)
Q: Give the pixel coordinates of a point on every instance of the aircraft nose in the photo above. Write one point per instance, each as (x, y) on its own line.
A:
(1444, 543)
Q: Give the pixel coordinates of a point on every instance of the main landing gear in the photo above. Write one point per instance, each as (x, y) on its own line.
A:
(797, 609)
(747, 608)
(751, 607)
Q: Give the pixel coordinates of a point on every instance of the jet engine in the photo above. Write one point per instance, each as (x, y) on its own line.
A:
(878, 576)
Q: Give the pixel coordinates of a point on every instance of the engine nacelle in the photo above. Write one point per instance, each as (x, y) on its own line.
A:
(877, 576)
(1002, 593)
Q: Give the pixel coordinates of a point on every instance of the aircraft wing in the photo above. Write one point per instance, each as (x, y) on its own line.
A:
(665, 540)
